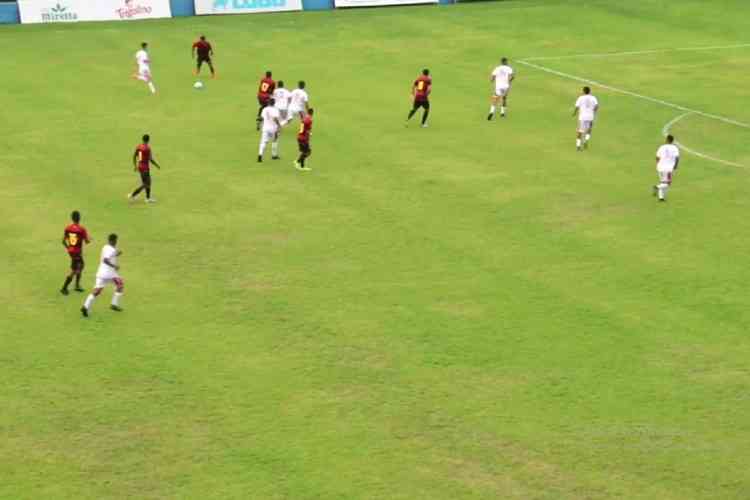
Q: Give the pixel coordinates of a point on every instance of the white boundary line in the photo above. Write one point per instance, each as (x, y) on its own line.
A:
(633, 94)
(638, 52)
(665, 132)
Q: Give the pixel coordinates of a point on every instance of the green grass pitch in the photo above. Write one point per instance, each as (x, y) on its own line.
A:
(468, 311)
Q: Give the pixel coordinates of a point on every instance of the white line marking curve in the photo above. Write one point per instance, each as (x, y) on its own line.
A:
(665, 132)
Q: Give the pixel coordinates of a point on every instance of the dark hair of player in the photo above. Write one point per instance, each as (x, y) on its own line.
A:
(280, 83)
(146, 138)
(76, 216)
(112, 238)
(144, 45)
(310, 111)
(425, 72)
(301, 84)
(271, 101)
(586, 90)
(203, 37)
(670, 139)
(504, 60)
(268, 74)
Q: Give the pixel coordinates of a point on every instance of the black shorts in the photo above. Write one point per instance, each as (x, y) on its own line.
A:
(146, 178)
(202, 60)
(304, 147)
(263, 101)
(421, 104)
(76, 262)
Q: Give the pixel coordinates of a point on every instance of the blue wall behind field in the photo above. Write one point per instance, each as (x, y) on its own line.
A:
(182, 8)
(9, 13)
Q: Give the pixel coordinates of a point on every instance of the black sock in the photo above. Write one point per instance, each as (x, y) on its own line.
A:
(424, 116)
(78, 281)
(137, 192)
(302, 160)
(67, 282)
(411, 113)
(148, 192)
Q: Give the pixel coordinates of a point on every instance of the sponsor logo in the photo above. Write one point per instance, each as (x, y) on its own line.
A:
(132, 9)
(58, 13)
(248, 4)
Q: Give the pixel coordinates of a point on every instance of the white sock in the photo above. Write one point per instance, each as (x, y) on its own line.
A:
(116, 298)
(275, 148)
(588, 136)
(662, 187)
(151, 86)
(578, 143)
(492, 109)
(502, 110)
(89, 301)
(262, 147)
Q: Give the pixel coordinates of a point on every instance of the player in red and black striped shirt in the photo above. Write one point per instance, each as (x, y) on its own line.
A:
(204, 51)
(303, 140)
(74, 237)
(266, 86)
(143, 158)
(421, 89)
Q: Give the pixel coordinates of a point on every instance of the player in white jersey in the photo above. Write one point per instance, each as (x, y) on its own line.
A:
(503, 77)
(282, 96)
(667, 160)
(270, 130)
(586, 108)
(143, 67)
(107, 273)
(298, 104)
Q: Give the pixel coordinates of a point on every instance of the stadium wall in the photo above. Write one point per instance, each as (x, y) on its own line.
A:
(9, 13)
(180, 8)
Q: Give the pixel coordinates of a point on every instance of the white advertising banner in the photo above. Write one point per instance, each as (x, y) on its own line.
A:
(245, 6)
(376, 3)
(66, 11)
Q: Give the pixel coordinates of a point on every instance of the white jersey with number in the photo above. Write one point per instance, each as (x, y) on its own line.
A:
(299, 100)
(587, 105)
(668, 155)
(143, 60)
(105, 271)
(502, 76)
(281, 97)
(270, 116)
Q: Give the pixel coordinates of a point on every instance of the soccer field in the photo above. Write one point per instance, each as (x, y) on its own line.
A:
(469, 311)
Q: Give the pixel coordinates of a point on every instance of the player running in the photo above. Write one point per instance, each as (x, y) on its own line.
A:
(265, 92)
(420, 90)
(303, 140)
(74, 236)
(282, 97)
(503, 77)
(204, 51)
(586, 109)
(143, 158)
(107, 273)
(270, 132)
(143, 67)
(667, 161)
(298, 104)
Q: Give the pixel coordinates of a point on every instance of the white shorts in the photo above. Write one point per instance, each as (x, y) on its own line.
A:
(502, 91)
(269, 136)
(665, 176)
(296, 113)
(144, 74)
(585, 126)
(102, 281)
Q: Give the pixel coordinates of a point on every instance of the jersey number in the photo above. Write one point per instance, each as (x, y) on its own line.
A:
(264, 87)
(301, 128)
(72, 239)
(420, 86)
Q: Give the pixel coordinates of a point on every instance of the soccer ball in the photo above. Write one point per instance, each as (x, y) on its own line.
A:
(198, 85)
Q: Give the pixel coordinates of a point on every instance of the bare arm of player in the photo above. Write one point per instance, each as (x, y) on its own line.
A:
(575, 111)
(64, 239)
(135, 160)
(153, 162)
(192, 52)
(113, 266)
(676, 162)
